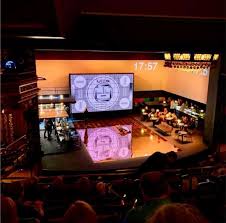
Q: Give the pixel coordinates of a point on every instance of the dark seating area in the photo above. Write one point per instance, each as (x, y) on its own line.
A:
(112, 197)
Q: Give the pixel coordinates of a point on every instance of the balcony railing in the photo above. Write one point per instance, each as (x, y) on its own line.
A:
(11, 153)
(53, 91)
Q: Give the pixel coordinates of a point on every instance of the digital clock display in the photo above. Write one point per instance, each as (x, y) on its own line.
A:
(145, 66)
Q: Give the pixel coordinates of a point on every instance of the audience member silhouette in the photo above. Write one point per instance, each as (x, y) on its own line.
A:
(159, 161)
(8, 210)
(177, 213)
(154, 190)
(80, 212)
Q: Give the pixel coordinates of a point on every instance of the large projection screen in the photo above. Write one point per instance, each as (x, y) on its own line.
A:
(101, 92)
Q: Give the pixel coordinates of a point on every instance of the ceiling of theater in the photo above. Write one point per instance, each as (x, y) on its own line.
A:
(117, 24)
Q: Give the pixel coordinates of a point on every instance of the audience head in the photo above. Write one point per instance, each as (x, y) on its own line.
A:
(80, 212)
(58, 181)
(157, 161)
(153, 185)
(84, 185)
(171, 157)
(8, 210)
(101, 188)
(177, 213)
(15, 190)
(31, 188)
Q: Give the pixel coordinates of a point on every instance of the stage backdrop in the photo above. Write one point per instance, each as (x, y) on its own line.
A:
(148, 75)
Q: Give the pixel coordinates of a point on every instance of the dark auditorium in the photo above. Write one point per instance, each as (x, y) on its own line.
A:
(113, 111)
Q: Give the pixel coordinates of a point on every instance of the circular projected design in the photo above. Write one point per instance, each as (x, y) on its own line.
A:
(124, 81)
(123, 152)
(103, 144)
(102, 93)
(124, 103)
(80, 82)
(80, 106)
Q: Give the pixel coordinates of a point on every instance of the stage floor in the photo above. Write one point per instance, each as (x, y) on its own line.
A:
(104, 147)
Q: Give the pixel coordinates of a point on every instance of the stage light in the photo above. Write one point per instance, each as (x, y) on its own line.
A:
(41, 78)
(151, 137)
(197, 56)
(42, 37)
(51, 97)
(215, 57)
(40, 97)
(181, 56)
(167, 56)
(146, 107)
(61, 96)
(143, 110)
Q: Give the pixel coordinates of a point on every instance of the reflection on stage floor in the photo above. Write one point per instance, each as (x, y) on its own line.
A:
(107, 144)
(115, 143)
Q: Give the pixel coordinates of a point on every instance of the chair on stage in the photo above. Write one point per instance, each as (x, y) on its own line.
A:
(189, 135)
(184, 136)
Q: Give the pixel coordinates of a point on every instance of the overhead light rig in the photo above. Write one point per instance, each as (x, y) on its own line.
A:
(190, 60)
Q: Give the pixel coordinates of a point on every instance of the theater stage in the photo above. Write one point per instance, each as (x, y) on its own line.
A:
(104, 147)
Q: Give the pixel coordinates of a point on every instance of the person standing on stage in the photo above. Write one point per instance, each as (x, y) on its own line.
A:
(49, 127)
(45, 126)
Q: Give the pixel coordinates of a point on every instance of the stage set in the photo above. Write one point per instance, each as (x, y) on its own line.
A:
(94, 135)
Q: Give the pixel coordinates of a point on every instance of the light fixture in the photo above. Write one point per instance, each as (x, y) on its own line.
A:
(41, 78)
(42, 37)
(61, 96)
(187, 61)
(40, 97)
(215, 57)
(167, 56)
(181, 56)
(51, 97)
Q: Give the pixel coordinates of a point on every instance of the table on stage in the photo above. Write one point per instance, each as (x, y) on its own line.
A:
(52, 113)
